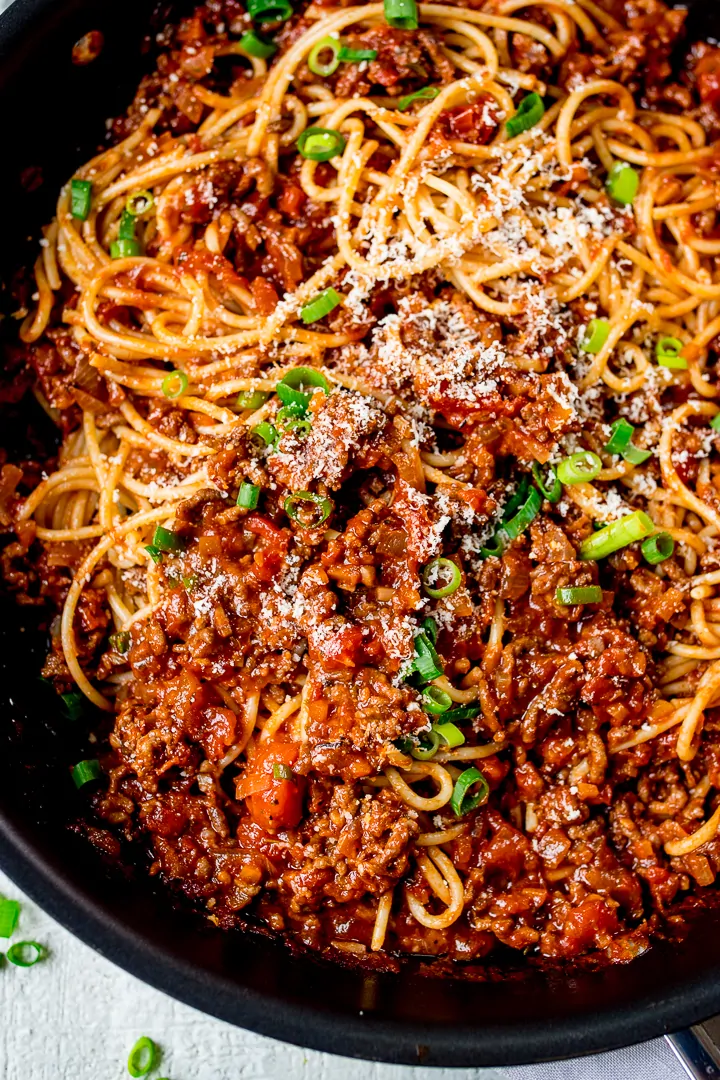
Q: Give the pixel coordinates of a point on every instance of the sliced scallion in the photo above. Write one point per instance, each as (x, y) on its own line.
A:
(657, 548)
(463, 799)
(167, 540)
(579, 594)
(579, 468)
(428, 93)
(250, 400)
(174, 384)
(141, 1059)
(667, 353)
(435, 700)
(124, 249)
(330, 65)
(530, 112)
(248, 495)
(320, 144)
(619, 534)
(269, 10)
(450, 734)
(282, 772)
(255, 44)
(26, 953)
(402, 14)
(80, 199)
(596, 334)
(320, 306)
(622, 183)
(441, 577)
(9, 915)
(549, 484)
(265, 436)
(356, 56)
(85, 772)
(301, 503)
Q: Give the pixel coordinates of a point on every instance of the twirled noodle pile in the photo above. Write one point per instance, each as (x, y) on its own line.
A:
(489, 218)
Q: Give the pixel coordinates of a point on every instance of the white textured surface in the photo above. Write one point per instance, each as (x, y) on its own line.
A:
(75, 1017)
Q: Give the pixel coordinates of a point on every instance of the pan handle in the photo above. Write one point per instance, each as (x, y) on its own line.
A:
(698, 1051)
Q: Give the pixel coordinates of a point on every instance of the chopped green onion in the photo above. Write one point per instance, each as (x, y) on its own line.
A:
(427, 747)
(320, 144)
(9, 915)
(80, 198)
(352, 56)
(139, 203)
(26, 953)
(174, 384)
(167, 540)
(248, 495)
(596, 334)
(154, 553)
(315, 63)
(426, 662)
(435, 701)
(282, 772)
(622, 183)
(428, 93)
(530, 111)
(402, 14)
(549, 485)
(579, 594)
(251, 399)
(321, 512)
(73, 704)
(527, 512)
(621, 433)
(265, 435)
(667, 353)
(120, 641)
(189, 581)
(657, 548)
(300, 378)
(619, 534)
(437, 571)
(517, 498)
(143, 1054)
(430, 628)
(635, 456)
(449, 733)
(290, 423)
(126, 229)
(269, 10)
(124, 249)
(462, 712)
(461, 801)
(255, 44)
(321, 306)
(579, 468)
(85, 772)
(715, 422)
(495, 546)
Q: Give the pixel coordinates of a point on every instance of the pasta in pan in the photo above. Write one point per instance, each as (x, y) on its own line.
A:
(384, 524)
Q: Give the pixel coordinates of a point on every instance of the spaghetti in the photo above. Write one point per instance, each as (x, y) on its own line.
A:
(387, 512)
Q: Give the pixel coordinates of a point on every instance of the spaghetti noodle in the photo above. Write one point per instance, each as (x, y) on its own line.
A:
(386, 515)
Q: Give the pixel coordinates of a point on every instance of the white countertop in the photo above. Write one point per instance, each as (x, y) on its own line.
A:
(75, 1017)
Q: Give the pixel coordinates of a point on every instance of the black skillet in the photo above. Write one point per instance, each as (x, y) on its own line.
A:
(52, 117)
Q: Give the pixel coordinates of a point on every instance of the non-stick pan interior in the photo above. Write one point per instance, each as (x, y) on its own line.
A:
(52, 117)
